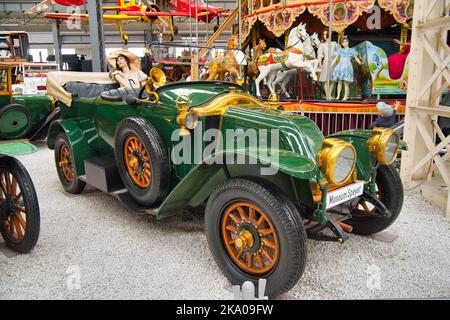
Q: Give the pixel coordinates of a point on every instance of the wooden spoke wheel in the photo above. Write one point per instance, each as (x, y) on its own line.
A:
(254, 231)
(365, 219)
(366, 206)
(142, 161)
(66, 162)
(137, 161)
(250, 238)
(13, 208)
(19, 207)
(65, 165)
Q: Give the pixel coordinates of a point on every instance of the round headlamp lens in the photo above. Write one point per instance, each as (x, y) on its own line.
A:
(344, 165)
(191, 120)
(391, 148)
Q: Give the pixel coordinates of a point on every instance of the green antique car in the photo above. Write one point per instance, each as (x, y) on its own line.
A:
(19, 206)
(23, 116)
(192, 145)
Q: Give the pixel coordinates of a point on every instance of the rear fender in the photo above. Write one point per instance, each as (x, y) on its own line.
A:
(78, 142)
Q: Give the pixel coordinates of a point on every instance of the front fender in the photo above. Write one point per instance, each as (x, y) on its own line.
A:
(78, 142)
(201, 181)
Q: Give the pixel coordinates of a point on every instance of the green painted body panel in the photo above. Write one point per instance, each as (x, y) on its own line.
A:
(91, 126)
(198, 184)
(15, 123)
(4, 100)
(77, 132)
(16, 148)
(39, 106)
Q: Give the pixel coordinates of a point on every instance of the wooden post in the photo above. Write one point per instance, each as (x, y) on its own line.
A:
(194, 67)
(429, 76)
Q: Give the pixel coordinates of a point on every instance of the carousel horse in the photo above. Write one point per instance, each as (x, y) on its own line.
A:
(252, 70)
(226, 63)
(291, 58)
(284, 76)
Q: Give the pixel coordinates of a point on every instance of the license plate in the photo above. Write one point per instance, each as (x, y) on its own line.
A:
(344, 194)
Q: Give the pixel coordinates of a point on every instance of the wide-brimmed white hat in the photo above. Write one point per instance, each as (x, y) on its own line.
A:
(135, 64)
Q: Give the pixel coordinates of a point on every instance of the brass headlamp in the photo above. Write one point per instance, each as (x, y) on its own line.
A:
(187, 119)
(384, 145)
(337, 160)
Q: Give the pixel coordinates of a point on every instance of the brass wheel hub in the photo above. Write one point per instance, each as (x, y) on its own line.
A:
(250, 238)
(244, 240)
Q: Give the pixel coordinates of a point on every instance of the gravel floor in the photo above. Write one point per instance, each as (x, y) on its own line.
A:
(90, 247)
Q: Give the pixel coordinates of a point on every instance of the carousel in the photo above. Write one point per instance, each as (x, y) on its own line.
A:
(331, 65)
(332, 60)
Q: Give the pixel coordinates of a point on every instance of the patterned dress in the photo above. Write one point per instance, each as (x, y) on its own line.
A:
(344, 69)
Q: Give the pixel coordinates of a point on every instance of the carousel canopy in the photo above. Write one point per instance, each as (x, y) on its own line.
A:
(279, 15)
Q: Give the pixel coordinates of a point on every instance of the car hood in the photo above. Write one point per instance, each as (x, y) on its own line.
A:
(297, 133)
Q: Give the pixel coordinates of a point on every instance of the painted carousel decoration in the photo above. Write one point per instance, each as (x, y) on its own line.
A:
(401, 10)
(344, 13)
(292, 57)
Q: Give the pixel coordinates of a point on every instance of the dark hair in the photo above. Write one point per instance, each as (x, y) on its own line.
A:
(126, 59)
(322, 35)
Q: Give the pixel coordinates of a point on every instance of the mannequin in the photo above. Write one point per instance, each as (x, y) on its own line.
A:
(322, 55)
(343, 72)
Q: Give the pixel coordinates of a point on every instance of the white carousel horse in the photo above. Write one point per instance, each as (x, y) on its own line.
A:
(291, 58)
(284, 76)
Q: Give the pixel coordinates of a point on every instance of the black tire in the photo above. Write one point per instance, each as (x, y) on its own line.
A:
(390, 189)
(159, 184)
(285, 219)
(28, 200)
(24, 128)
(71, 184)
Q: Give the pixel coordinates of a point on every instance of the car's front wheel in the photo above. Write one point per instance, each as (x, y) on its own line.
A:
(255, 232)
(389, 190)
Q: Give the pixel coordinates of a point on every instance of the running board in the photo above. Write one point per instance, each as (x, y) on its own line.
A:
(102, 174)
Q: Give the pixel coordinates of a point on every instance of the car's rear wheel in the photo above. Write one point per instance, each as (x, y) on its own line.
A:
(142, 161)
(255, 232)
(65, 165)
(19, 206)
(389, 190)
(15, 121)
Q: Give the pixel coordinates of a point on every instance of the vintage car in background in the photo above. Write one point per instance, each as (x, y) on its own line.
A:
(23, 116)
(258, 212)
(19, 206)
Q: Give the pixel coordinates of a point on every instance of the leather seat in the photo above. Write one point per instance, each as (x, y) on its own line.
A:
(88, 90)
(120, 94)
